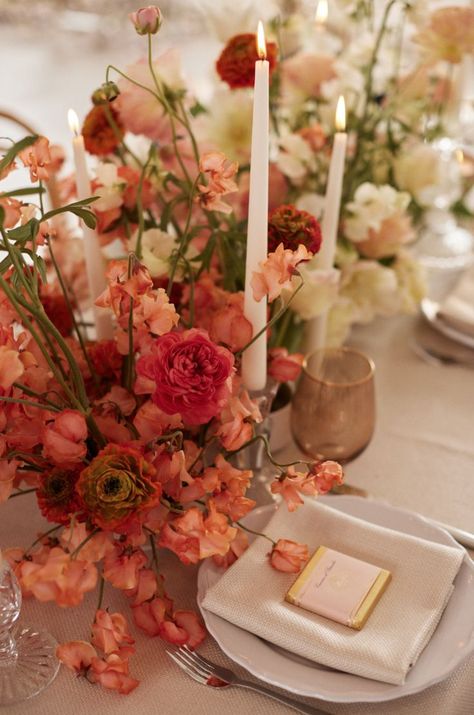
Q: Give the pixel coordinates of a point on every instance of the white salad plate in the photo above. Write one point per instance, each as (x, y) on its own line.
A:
(451, 643)
(430, 310)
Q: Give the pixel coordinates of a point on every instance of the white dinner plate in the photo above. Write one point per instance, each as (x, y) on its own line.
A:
(451, 643)
(430, 310)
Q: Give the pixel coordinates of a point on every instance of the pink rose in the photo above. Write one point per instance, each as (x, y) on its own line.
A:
(147, 20)
(191, 374)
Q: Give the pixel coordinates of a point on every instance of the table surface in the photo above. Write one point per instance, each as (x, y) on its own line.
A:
(421, 458)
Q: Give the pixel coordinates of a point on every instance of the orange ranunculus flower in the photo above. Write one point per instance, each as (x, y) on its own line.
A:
(99, 137)
(236, 64)
(117, 487)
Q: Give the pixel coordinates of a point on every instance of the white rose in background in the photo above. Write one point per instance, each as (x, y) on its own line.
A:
(110, 191)
(429, 171)
(227, 126)
(157, 247)
(418, 171)
(411, 279)
(340, 319)
(378, 221)
(372, 289)
(295, 157)
(318, 293)
(312, 203)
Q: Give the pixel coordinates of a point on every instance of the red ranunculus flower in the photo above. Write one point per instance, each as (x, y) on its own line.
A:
(99, 137)
(105, 358)
(236, 64)
(57, 497)
(191, 375)
(117, 488)
(290, 226)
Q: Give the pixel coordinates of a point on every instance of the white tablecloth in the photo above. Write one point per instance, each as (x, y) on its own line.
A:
(421, 458)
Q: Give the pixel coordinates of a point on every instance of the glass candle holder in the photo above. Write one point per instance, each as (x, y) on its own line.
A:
(333, 410)
(28, 660)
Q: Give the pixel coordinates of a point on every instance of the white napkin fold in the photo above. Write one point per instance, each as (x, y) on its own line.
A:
(251, 594)
(457, 309)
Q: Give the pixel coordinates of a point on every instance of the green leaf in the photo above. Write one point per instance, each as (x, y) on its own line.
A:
(197, 109)
(70, 207)
(24, 192)
(87, 216)
(23, 234)
(15, 149)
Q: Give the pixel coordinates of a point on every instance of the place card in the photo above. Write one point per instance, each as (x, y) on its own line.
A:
(339, 587)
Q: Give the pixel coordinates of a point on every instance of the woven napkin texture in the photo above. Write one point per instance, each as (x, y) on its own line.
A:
(251, 594)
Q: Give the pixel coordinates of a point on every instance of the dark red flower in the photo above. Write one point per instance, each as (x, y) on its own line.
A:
(105, 358)
(290, 226)
(56, 308)
(57, 497)
(191, 375)
(236, 64)
(99, 137)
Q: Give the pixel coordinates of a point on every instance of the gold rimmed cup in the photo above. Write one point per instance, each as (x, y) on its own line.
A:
(333, 410)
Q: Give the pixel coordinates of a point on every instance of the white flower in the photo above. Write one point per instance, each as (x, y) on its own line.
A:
(429, 172)
(228, 124)
(157, 248)
(318, 293)
(110, 193)
(370, 207)
(340, 318)
(372, 288)
(312, 203)
(295, 157)
(227, 17)
(411, 279)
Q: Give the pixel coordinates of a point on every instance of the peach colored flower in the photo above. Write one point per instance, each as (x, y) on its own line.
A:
(237, 419)
(64, 438)
(76, 655)
(145, 589)
(326, 475)
(303, 74)
(449, 34)
(284, 367)
(112, 672)
(237, 548)
(138, 109)
(37, 158)
(7, 478)
(11, 367)
(277, 272)
(189, 622)
(150, 615)
(151, 422)
(393, 233)
(231, 327)
(219, 173)
(11, 209)
(289, 556)
(118, 398)
(121, 568)
(58, 578)
(110, 631)
(96, 547)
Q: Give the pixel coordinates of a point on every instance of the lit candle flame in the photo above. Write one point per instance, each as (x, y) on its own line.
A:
(341, 114)
(73, 121)
(261, 45)
(321, 13)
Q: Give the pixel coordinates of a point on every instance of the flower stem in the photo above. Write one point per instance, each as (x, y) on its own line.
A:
(256, 533)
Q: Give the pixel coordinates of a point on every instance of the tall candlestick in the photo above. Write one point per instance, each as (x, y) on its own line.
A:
(254, 359)
(92, 252)
(316, 329)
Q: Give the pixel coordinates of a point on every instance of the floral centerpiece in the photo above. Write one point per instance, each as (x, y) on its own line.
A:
(128, 441)
(396, 71)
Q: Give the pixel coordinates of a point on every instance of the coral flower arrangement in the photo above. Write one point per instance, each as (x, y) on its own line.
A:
(127, 442)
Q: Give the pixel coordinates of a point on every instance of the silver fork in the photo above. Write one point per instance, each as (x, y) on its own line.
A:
(207, 673)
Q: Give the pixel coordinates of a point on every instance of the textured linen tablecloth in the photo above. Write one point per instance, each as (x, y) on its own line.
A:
(421, 458)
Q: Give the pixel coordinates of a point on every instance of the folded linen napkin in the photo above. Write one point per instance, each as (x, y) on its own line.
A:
(251, 593)
(457, 310)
